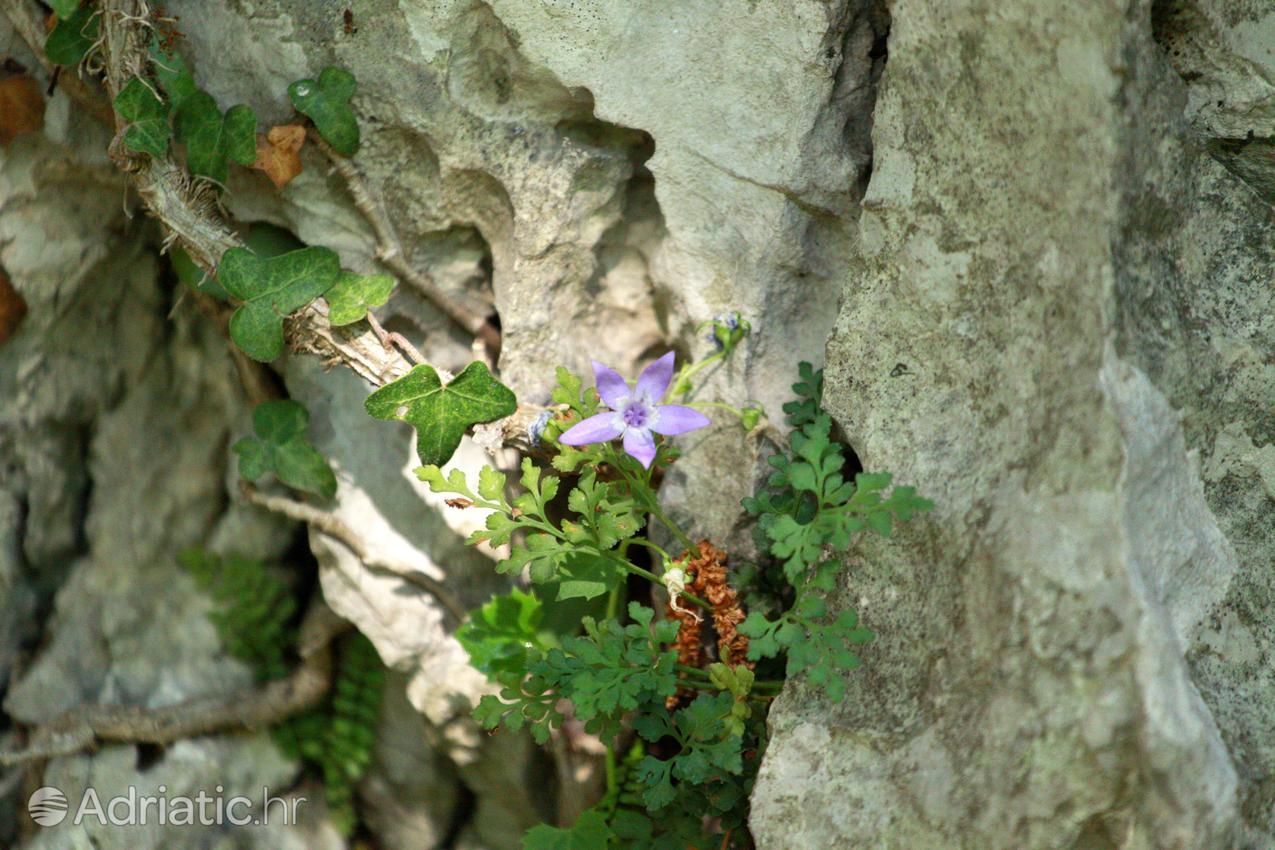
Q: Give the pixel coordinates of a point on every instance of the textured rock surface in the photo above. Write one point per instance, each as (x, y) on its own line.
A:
(381, 497)
(411, 793)
(1225, 52)
(1058, 327)
(1058, 324)
(113, 431)
(624, 173)
(516, 148)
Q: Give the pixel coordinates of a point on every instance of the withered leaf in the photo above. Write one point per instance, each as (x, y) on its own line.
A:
(278, 153)
(12, 308)
(21, 108)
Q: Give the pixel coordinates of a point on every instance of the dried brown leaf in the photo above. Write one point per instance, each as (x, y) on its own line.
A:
(13, 309)
(21, 108)
(278, 153)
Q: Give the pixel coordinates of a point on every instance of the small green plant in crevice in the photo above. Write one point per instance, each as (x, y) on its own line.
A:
(336, 740)
(254, 609)
(254, 614)
(674, 688)
(810, 506)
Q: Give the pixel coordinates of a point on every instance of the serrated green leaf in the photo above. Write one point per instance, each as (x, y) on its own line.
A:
(353, 294)
(540, 553)
(504, 635)
(581, 589)
(632, 826)
(589, 832)
(656, 775)
(326, 102)
(211, 138)
(442, 414)
(173, 75)
(64, 8)
(270, 288)
(281, 447)
(569, 390)
(72, 37)
(491, 484)
(148, 130)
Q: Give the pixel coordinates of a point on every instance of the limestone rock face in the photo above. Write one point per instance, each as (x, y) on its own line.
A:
(1032, 240)
(610, 174)
(1057, 326)
(114, 421)
(1222, 50)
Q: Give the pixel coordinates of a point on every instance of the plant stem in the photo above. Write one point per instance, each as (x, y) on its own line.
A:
(720, 405)
(613, 601)
(683, 376)
(694, 671)
(642, 491)
(642, 541)
(671, 526)
(652, 577)
(766, 684)
(613, 778)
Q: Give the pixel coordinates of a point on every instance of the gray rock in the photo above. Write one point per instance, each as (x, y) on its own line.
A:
(1068, 646)
(1064, 243)
(410, 794)
(401, 521)
(113, 434)
(1222, 50)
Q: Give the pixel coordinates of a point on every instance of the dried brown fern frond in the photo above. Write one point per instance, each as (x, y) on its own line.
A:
(706, 576)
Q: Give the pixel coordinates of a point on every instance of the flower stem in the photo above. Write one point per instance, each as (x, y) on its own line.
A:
(681, 383)
(642, 541)
(671, 526)
(693, 671)
(719, 405)
(642, 491)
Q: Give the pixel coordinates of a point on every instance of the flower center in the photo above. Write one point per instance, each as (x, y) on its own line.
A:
(636, 414)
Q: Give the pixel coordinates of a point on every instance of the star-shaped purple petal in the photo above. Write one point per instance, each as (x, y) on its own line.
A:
(635, 414)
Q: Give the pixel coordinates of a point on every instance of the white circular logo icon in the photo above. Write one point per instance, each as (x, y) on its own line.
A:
(47, 806)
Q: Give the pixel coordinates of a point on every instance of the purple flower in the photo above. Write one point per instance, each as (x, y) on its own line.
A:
(635, 414)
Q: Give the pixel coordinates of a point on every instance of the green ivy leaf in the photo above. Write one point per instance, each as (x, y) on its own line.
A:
(353, 294)
(271, 288)
(441, 415)
(281, 447)
(173, 75)
(264, 240)
(70, 40)
(147, 116)
(211, 138)
(589, 832)
(326, 102)
(64, 8)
